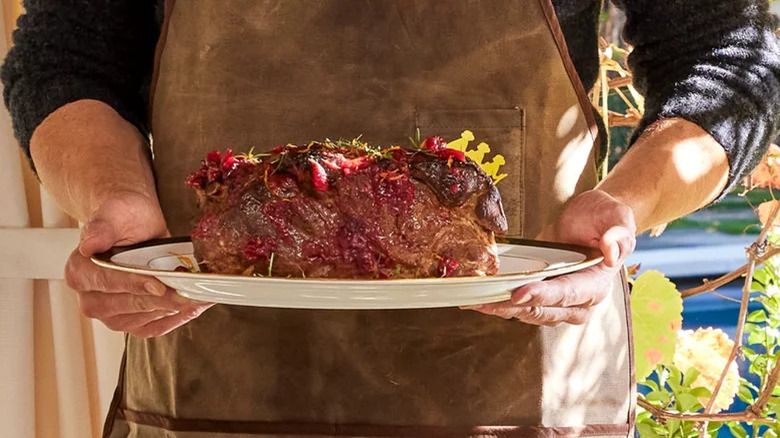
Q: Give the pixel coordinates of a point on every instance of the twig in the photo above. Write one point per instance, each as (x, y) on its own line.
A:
(729, 416)
(627, 102)
(618, 119)
(763, 398)
(737, 337)
(728, 278)
(725, 297)
(620, 82)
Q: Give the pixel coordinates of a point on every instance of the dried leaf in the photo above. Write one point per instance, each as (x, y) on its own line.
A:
(767, 173)
(658, 230)
(633, 269)
(764, 210)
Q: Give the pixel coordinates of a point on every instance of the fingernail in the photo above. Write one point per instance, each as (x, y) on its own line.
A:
(615, 252)
(522, 300)
(155, 288)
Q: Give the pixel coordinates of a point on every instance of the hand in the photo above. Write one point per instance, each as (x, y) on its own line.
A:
(137, 304)
(594, 219)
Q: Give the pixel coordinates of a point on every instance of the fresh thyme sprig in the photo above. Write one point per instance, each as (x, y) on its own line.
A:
(416, 140)
(252, 156)
(359, 145)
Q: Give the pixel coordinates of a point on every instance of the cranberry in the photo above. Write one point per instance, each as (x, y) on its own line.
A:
(318, 176)
(397, 194)
(214, 157)
(206, 226)
(447, 266)
(399, 155)
(355, 245)
(347, 164)
(434, 144)
(447, 153)
(229, 162)
(214, 174)
(331, 165)
(197, 180)
(258, 248)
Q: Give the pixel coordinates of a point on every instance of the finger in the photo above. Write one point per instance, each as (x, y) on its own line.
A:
(616, 244)
(83, 275)
(579, 289)
(101, 305)
(165, 325)
(97, 236)
(548, 316)
(131, 321)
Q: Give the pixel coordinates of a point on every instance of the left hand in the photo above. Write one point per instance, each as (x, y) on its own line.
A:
(594, 219)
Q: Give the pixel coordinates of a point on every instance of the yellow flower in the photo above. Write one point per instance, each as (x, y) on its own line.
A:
(707, 350)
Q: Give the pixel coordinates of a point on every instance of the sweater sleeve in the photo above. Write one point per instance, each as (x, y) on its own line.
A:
(714, 63)
(67, 50)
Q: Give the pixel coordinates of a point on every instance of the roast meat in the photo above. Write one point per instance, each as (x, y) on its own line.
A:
(347, 210)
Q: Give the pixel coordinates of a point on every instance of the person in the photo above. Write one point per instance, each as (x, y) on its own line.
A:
(114, 106)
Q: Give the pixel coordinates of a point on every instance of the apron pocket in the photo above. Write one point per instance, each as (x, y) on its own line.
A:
(494, 139)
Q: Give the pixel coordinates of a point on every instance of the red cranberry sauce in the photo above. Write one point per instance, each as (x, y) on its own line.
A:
(257, 248)
(447, 266)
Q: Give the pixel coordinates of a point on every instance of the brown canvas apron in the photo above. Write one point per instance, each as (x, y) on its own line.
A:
(267, 72)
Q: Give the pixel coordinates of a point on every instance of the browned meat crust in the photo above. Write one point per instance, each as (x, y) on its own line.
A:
(346, 210)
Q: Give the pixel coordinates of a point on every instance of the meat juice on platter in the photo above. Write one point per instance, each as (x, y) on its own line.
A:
(347, 210)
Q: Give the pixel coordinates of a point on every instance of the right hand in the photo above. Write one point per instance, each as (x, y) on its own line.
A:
(136, 304)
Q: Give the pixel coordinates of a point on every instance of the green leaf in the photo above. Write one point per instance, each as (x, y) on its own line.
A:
(737, 429)
(700, 392)
(645, 416)
(675, 376)
(756, 336)
(749, 353)
(660, 396)
(713, 427)
(672, 426)
(656, 309)
(650, 384)
(647, 431)
(690, 375)
(688, 403)
(761, 275)
(757, 316)
(745, 394)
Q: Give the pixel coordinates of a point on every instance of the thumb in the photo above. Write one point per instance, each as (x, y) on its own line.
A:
(99, 235)
(616, 244)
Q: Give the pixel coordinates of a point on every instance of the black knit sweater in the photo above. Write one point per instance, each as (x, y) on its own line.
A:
(713, 62)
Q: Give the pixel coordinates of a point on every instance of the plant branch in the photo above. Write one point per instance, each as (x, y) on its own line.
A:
(752, 253)
(730, 416)
(738, 336)
(710, 286)
(763, 398)
(620, 82)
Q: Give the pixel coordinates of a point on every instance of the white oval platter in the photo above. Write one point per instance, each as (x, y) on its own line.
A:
(521, 262)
